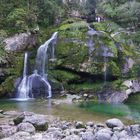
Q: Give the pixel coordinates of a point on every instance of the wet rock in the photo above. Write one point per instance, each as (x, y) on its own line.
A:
(19, 119)
(26, 127)
(88, 136)
(79, 125)
(39, 122)
(7, 130)
(111, 123)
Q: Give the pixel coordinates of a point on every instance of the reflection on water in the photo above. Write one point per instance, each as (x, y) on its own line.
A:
(83, 112)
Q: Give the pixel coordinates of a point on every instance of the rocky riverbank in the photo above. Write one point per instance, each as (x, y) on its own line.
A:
(30, 126)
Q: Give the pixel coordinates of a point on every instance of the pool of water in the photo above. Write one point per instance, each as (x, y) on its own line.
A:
(87, 111)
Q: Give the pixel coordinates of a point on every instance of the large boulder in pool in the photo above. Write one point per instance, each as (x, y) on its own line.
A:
(111, 123)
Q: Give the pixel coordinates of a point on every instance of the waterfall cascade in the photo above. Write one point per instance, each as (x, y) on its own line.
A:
(90, 43)
(23, 88)
(103, 51)
(26, 85)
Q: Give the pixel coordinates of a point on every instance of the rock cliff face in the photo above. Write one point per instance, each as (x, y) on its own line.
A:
(11, 58)
(20, 42)
(131, 87)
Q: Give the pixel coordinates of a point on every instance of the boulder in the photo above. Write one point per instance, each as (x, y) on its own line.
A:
(111, 96)
(133, 86)
(19, 119)
(20, 42)
(26, 127)
(111, 123)
(39, 122)
(79, 125)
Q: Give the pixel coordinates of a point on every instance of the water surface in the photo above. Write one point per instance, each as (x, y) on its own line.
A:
(87, 111)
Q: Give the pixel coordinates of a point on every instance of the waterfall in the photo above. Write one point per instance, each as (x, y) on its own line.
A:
(25, 87)
(105, 69)
(105, 59)
(90, 43)
(42, 56)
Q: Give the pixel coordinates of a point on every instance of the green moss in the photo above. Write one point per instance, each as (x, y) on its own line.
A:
(62, 76)
(94, 87)
(7, 86)
(71, 54)
(75, 29)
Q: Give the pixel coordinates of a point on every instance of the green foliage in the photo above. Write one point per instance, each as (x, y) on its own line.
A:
(3, 35)
(17, 19)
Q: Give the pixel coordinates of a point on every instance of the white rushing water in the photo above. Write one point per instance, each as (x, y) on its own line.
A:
(23, 88)
(26, 85)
